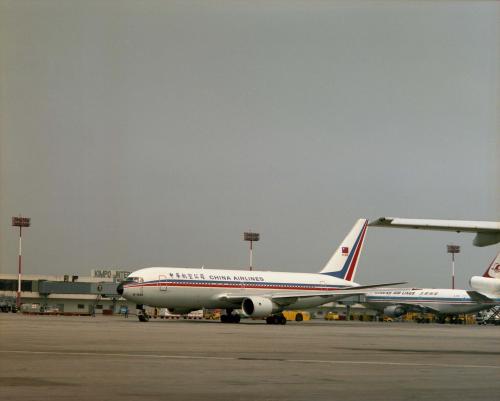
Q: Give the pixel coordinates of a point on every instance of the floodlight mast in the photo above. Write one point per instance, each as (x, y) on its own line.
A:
(251, 237)
(453, 249)
(20, 222)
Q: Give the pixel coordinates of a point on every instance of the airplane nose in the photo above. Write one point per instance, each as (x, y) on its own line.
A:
(119, 289)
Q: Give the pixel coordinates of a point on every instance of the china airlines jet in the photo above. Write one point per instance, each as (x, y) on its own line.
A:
(258, 294)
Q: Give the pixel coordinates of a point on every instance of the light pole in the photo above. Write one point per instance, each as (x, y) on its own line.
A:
(453, 249)
(251, 237)
(20, 222)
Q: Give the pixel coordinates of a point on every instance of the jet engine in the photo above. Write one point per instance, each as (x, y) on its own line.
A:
(259, 307)
(485, 285)
(394, 311)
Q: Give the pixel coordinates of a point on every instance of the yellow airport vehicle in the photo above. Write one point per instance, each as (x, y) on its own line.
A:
(211, 314)
(295, 315)
(332, 316)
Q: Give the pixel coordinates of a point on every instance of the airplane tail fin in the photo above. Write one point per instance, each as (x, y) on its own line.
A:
(493, 270)
(345, 260)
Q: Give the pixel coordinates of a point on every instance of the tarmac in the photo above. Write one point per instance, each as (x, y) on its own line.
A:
(114, 358)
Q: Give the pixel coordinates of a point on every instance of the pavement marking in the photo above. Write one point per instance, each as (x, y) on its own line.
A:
(229, 358)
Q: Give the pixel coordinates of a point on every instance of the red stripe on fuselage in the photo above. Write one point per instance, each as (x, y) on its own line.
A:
(208, 285)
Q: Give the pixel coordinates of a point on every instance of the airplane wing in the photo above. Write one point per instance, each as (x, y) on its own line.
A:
(289, 297)
(480, 298)
(487, 232)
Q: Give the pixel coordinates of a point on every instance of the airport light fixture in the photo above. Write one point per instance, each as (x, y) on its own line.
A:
(20, 222)
(453, 249)
(251, 237)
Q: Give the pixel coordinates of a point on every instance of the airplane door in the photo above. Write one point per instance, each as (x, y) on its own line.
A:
(163, 282)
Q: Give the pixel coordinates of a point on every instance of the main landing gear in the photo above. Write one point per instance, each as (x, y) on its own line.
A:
(229, 317)
(276, 319)
(141, 314)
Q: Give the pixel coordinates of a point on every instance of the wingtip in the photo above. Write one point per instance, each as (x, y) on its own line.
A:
(381, 221)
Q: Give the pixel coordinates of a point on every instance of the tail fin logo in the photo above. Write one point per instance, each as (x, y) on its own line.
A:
(345, 250)
(495, 270)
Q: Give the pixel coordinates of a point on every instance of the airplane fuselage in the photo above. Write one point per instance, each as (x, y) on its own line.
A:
(443, 301)
(187, 289)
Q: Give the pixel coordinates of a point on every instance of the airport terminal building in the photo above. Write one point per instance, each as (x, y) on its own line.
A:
(66, 294)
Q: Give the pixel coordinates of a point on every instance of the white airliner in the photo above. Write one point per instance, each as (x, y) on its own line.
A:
(489, 283)
(487, 232)
(260, 294)
(395, 302)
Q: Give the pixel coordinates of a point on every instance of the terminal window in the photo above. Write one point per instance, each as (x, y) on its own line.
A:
(81, 306)
(11, 285)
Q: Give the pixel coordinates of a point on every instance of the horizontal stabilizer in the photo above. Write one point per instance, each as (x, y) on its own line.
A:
(362, 287)
(290, 296)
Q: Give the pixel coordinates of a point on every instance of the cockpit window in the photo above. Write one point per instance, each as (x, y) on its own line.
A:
(133, 280)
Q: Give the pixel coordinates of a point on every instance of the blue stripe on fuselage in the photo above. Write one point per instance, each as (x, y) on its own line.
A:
(424, 299)
(237, 284)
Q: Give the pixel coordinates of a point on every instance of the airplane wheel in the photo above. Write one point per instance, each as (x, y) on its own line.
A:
(143, 317)
(276, 319)
(235, 318)
(224, 318)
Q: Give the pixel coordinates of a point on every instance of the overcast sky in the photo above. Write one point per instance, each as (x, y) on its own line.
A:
(140, 133)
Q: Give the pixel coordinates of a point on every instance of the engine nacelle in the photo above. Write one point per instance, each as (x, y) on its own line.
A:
(258, 307)
(394, 311)
(485, 285)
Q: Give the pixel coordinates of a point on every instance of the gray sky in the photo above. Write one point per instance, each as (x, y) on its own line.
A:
(155, 133)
